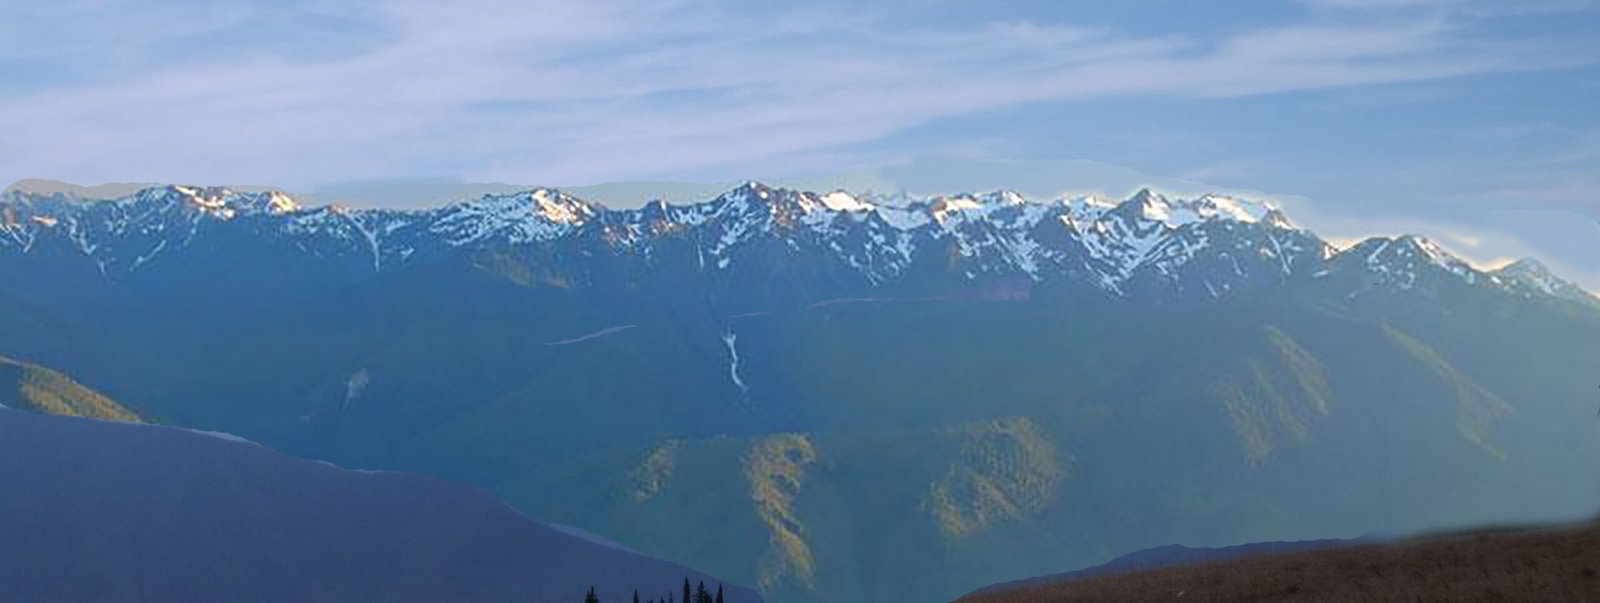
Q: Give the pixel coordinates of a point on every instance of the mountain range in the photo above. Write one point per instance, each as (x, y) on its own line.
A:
(835, 396)
(1147, 244)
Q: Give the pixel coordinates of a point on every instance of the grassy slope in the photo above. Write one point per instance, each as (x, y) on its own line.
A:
(1539, 565)
(805, 513)
(34, 388)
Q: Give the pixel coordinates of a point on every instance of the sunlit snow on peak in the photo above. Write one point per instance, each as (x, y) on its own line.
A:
(843, 201)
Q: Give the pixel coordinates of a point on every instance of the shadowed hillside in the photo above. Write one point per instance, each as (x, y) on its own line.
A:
(103, 511)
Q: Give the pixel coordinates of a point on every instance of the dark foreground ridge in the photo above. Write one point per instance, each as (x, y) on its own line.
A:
(1176, 555)
(1507, 565)
(98, 511)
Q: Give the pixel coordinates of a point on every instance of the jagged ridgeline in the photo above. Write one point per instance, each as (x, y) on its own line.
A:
(835, 396)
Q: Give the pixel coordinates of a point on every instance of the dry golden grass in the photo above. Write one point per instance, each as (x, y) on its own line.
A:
(1551, 565)
(775, 467)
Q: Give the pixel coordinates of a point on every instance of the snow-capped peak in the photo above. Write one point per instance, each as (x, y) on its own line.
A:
(1529, 268)
(1088, 201)
(1535, 277)
(1429, 249)
(215, 201)
(941, 208)
(1002, 197)
(210, 200)
(557, 207)
(1211, 206)
(1150, 205)
(748, 192)
(1376, 250)
(1403, 260)
(279, 203)
(843, 201)
(536, 215)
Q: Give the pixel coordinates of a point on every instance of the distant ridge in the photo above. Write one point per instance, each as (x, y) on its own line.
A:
(109, 190)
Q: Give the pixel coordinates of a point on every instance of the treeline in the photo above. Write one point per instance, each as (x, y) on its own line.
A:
(698, 595)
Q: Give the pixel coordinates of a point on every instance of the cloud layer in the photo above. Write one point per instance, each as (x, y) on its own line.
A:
(565, 92)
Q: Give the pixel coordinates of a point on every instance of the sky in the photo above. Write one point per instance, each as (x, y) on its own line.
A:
(1472, 121)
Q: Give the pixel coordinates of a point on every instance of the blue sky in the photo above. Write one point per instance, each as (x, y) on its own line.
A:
(1462, 114)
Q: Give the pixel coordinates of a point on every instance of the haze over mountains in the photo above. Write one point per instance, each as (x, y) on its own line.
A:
(832, 396)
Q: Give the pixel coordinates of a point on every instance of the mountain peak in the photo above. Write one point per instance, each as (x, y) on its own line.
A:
(751, 190)
(1146, 196)
(840, 200)
(1524, 266)
(1427, 247)
(1534, 276)
(1417, 246)
(753, 193)
(1146, 205)
(216, 201)
(533, 215)
(1150, 206)
(942, 207)
(1409, 259)
(553, 203)
(1002, 197)
(559, 207)
(1243, 210)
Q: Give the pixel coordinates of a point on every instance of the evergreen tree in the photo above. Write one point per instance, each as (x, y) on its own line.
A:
(686, 593)
(591, 598)
(701, 595)
(719, 593)
(635, 596)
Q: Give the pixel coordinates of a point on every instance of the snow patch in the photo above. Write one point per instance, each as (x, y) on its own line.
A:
(843, 201)
(354, 386)
(222, 436)
(902, 218)
(590, 537)
(731, 339)
(600, 333)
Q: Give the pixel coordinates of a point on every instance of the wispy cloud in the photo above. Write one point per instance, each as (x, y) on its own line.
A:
(565, 92)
